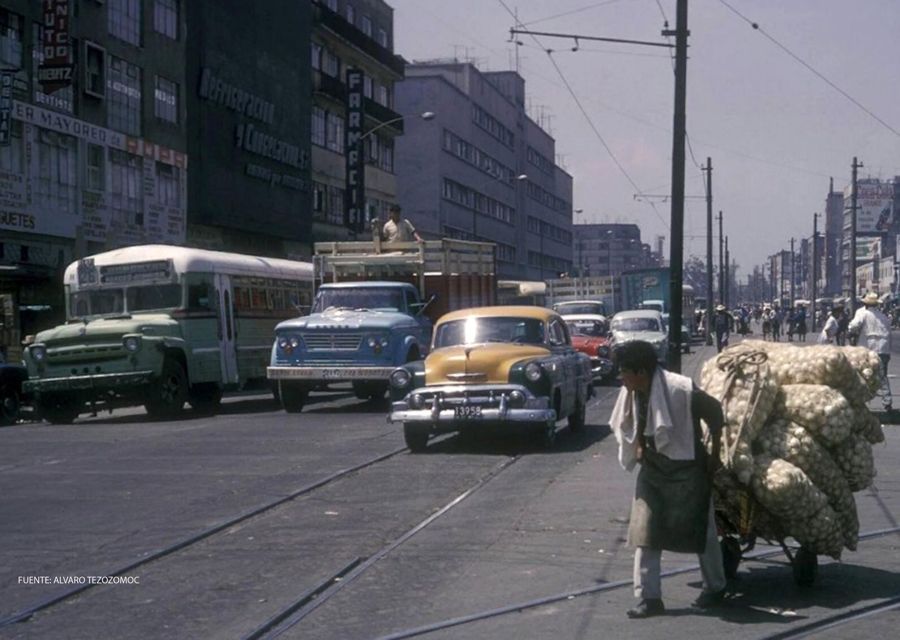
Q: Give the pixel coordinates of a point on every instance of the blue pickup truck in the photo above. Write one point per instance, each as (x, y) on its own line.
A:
(357, 332)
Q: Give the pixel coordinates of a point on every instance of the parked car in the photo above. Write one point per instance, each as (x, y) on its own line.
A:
(590, 335)
(513, 367)
(643, 324)
(11, 395)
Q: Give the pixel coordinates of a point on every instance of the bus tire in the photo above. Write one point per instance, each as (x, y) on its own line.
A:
(58, 409)
(293, 396)
(9, 405)
(206, 398)
(167, 395)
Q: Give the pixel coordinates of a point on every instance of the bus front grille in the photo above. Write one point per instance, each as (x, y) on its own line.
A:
(332, 341)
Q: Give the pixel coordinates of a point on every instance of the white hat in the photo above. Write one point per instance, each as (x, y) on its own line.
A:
(871, 298)
(720, 307)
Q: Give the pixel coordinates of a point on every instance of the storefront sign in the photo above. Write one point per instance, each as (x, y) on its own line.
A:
(220, 92)
(55, 70)
(6, 87)
(355, 195)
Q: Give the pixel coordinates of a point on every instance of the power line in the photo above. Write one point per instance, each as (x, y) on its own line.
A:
(756, 27)
(570, 12)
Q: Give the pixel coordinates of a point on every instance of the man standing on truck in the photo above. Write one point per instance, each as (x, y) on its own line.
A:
(398, 229)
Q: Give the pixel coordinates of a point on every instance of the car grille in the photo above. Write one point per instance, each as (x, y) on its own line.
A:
(332, 341)
(85, 353)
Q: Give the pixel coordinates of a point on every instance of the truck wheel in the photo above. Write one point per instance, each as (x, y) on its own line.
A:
(59, 409)
(293, 396)
(206, 398)
(578, 417)
(370, 390)
(9, 405)
(167, 395)
(416, 437)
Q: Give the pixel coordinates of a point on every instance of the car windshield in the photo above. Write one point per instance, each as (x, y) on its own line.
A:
(571, 308)
(592, 328)
(361, 298)
(476, 330)
(635, 324)
(102, 302)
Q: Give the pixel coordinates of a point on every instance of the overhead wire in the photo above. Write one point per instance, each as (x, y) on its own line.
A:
(570, 12)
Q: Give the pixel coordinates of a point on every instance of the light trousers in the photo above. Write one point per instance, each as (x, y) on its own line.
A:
(647, 579)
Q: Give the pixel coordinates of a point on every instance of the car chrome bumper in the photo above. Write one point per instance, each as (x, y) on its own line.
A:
(334, 374)
(100, 381)
(440, 406)
(601, 367)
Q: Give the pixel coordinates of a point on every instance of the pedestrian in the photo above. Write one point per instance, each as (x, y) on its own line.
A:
(722, 327)
(656, 421)
(398, 229)
(873, 330)
(776, 325)
(800, 319)
(843, 323)
(832, 326)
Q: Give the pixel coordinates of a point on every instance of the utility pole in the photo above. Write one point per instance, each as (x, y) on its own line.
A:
(709, 252)
(721, 258)
(856, 165)
(679, 133)
(793, 273)
(815, 266)
(727, 287)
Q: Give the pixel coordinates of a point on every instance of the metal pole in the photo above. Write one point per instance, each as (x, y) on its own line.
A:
(852, 258)
(709, 253)
(726, 289)
(815, 266)
(721, 258)
(793, 273)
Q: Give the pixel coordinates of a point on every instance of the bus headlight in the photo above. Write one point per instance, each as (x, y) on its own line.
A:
(38, 352)
(294, 342)
(400, 378)
(533, 371)
(132, 344)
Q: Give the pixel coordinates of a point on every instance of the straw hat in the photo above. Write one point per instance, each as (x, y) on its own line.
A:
(720, 307)
(871, 298)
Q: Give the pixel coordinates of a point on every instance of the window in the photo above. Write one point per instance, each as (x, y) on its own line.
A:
(367, 86)
(383, 95)
(123, 18)
(96, 167)
(126, 194)
(330, 63)
(367, 25)
(165, 17)
(168, 185)
(124, 110)
(332, 4)
(317, 133)
(10, 40)
(11, 160)
(56, 180)
(316, 55)
(94, 70)
(351, 14)
(334, 132)
(318, 197)
(335, 205)
(383, 38)
(166, 100)
(386, 161)
(61, 99)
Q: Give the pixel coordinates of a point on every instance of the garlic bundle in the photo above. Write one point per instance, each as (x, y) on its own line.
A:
(819, 408)
(854, 457)
(868, 365)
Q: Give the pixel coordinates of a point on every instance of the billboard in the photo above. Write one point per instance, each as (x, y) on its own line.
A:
(874, 203)
(867, 249)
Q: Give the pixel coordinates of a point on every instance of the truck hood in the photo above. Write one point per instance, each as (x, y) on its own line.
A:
(348, 319)
(484, 363)
(113, 328)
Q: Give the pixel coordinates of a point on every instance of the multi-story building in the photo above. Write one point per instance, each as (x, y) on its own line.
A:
(248, 106)
(877, 228)
(834, 258)
(608, 249)
(93, 150)
(353, 35)
(482, 169)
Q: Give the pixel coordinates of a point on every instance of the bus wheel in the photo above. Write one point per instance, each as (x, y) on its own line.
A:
(293, 396)
(9, 405)
(59, 409)
(206, 398)
(167, 395)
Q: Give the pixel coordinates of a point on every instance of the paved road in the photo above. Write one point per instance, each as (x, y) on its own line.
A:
(85, 499)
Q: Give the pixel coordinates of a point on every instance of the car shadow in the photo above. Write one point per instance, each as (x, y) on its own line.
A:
(497, 441)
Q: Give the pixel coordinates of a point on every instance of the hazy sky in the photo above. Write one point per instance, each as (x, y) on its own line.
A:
(774, 130)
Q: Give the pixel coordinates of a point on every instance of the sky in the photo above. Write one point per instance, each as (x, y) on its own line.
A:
(775, 130)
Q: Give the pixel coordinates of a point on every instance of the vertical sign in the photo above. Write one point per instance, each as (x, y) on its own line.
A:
(55, 70)
(6, 83)
(355, 195)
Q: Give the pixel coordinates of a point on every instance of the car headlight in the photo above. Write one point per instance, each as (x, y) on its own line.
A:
(38, 352)
(400, 378)
(295, 342)
(132, 343)
(603, 351)
(377, 341)
(288, 345)
(533, 371)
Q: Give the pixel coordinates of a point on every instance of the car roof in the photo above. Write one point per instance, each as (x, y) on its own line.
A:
(537, 313)
(639, 313)
(584, 316)
(580, 302)
(367, 284)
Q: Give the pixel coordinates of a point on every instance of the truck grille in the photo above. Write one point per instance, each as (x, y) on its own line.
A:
(332, 341)
(85, 353)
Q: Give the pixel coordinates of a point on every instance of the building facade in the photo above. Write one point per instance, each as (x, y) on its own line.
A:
(609, 249)
(481, 169)
(877, 230)
(354, 36)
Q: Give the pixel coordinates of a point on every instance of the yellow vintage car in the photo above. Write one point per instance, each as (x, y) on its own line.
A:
(510, 365)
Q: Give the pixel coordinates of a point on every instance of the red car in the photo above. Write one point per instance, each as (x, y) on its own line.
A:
(590, 335)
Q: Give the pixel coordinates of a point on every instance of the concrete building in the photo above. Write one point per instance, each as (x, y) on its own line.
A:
(482, 168)
(609, 249)
(877, 230)
(834, 258)
(353, 35)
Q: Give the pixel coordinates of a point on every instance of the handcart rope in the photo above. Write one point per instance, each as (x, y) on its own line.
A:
(740, 365)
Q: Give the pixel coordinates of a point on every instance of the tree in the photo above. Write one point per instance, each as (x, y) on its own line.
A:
(695, 275)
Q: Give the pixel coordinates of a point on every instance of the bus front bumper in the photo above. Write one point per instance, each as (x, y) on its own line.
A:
(332, 374)
(97, 382)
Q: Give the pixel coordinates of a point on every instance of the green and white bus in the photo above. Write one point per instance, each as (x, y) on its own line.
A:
(162, 325)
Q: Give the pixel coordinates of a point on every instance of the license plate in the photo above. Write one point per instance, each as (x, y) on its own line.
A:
(467, 412)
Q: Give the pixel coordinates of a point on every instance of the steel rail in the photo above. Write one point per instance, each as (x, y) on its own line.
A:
(30, 610)
(837, 620)
(576, 593)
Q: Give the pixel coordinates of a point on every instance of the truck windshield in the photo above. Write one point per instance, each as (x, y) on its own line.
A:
(361, 298)
(572, 308)
(636, 324)
(101, 302)
(477, 330)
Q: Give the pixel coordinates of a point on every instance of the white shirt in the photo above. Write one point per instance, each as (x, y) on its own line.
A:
(873, 328)
(402, 231)
(829, 331)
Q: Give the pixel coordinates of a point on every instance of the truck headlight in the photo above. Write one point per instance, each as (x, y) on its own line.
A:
(132, 344)
(533, 371)
(400, 378)
(38, 352)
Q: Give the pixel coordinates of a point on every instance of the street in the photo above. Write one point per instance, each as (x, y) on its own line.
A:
(322, 525)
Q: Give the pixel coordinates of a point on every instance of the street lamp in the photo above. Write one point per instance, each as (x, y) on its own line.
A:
(518, 178)
(427, 115)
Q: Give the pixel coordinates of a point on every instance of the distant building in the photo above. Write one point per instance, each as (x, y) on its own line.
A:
(833, 231)
(609, 249)
(482, 168)
(877, 227)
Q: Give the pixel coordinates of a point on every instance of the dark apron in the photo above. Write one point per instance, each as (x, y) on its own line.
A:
(671, 504)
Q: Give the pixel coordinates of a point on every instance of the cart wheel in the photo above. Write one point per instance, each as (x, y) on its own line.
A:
(806, 566)
(731, 556)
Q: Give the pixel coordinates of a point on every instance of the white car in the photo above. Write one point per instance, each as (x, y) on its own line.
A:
(644, 324)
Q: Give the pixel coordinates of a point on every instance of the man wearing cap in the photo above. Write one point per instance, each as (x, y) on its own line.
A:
(397, 229)
(723, 323)
(873, 330)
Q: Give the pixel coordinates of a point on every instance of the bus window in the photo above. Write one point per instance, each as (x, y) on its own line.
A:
(199, 292)
(227, 314)
(165, 296)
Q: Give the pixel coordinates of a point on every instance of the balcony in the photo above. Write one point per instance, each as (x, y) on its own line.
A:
(379, 113)
(338, 25)
(330, 86)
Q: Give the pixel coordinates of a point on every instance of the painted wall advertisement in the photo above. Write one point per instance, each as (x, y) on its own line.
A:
(874, 203)
(77, 177)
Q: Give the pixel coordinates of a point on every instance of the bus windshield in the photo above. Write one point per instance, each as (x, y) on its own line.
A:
(572, 308)
(101, 302)
(361, 298)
